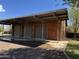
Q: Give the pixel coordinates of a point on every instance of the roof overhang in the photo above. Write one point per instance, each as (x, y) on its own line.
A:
(49, 16)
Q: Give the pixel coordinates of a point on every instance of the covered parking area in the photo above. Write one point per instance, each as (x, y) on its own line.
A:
(43, 26)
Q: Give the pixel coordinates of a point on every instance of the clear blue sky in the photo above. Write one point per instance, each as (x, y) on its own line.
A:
(16, 8)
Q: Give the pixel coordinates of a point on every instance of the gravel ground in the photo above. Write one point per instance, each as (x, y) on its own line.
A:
(34, 53)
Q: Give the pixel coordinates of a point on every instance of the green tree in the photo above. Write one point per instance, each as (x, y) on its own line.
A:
(73, 13)
(1, 28)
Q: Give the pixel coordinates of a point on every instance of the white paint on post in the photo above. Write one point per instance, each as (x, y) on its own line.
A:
(3, 30)
(11, 30)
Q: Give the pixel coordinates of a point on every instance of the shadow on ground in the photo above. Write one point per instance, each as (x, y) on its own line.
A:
(34, 53)
(27, 43)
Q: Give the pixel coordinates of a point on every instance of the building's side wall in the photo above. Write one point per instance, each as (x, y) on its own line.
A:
(60, 30)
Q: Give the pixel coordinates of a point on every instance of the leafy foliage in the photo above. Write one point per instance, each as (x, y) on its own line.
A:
(73, 13)
(1, 28)
(72, 2)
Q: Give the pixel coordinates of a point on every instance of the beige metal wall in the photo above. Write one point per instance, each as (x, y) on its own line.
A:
(49, 30)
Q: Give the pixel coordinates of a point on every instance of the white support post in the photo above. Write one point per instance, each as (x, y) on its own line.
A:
(11, 30)
(3, 29)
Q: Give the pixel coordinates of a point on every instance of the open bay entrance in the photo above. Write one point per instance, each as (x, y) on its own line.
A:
(36, 31)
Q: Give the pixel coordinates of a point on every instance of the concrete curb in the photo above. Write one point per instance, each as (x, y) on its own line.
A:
(66, 55)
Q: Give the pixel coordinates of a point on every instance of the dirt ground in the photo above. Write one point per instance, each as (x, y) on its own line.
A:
(15, 51)
(4, 46)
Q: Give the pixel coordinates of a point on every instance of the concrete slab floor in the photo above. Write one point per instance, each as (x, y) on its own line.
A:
(57, 45)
